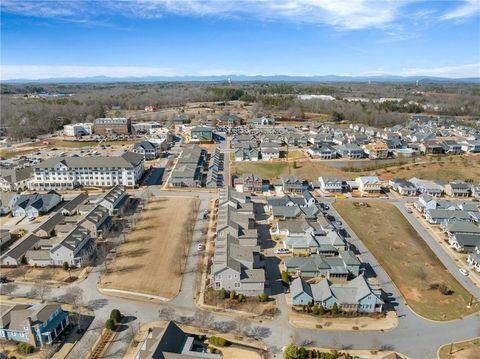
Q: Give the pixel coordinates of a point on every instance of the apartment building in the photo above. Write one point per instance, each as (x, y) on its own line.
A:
(72, 172)
(112, 126)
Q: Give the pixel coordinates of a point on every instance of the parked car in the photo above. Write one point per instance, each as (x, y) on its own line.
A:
(282, 251)
(463, 271)
(4, 280)
(201, 246)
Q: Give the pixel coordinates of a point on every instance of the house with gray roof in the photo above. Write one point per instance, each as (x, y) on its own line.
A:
(36, 204)
(473, 259)
(14, 255)
(357, 295)
(149, 150)
(464, 242)
(15, 179)
(114, 200)
(457, 226)
(339, 268)
(172, 342)
(37, 324)
(350, 151)
(457, 189)
(189, 169)
(427, 187)
(331, 184)
(293, 184)
(403, 187)
(245, 152)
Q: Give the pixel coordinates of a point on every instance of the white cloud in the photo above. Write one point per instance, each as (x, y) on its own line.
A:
(342, 14)
(459, 71)
(36, 72)
(467, 9)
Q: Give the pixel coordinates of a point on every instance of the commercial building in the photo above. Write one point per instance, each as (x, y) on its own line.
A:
(78, 129)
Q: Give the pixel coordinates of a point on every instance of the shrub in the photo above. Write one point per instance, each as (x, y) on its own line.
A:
(115, 315)
(218, 341)
(315, 310)
(263, 297)
(110, 324)
(223, 293)
(25, 348)
(321, 310)
(233, 294)
(335, 308)
(65, 266)
(241, 298)
(285, 278)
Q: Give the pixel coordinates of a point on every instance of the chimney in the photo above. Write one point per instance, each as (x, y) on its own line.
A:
(31, 335)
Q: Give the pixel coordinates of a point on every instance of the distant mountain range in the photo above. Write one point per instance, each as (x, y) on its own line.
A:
(245, 78)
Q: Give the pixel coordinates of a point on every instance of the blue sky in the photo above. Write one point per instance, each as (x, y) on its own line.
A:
(42, 39)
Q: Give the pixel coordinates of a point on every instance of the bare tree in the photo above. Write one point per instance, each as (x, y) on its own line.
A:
(8, 288)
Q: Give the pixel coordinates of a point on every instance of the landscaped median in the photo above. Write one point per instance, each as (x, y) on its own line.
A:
(345, 322)
(427, 286)
(466, 349)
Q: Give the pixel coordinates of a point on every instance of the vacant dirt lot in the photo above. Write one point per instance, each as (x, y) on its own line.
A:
(52, 276)
(152, 258)
(407, 259)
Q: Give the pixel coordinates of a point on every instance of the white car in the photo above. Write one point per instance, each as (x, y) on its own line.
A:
(463, 271)
(282, 251)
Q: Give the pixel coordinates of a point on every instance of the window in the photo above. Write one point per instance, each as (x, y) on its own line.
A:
(237, 284)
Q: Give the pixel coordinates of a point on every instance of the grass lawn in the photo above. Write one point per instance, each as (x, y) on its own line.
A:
(408, 260)
(152, 259)
(469, 349)
(450, 168)
(65, 143)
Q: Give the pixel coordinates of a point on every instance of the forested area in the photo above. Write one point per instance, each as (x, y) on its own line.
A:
(24, 114)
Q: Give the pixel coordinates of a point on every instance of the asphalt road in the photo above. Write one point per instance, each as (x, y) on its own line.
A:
(414, 336)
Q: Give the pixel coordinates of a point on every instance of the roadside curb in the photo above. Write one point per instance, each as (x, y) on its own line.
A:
(119, 292)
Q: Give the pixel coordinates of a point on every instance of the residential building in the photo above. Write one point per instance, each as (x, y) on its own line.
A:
(269, 153)
(37, 324)
(293, 184)
(112, 126)
(261, 121)
(245, 152)
(369, 184)
(36, 204)
(350, 150)
(323, 151)
(7, 201)
(250, 183)
(457, 189)
(189, 169)
(452, 147)
(78, 129)
(113, 200)
(149, 150)
(331, 184)
(201, 134)
(403, 187)
(72, 172)
(464, 242)
(427, 187)
(172, 342)
(339, 268)
(229, 121)
(470, 146)
(141, 128)
(15, 179)
(431, 148)
(473, 259)
(357, 295)
(376, 150)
